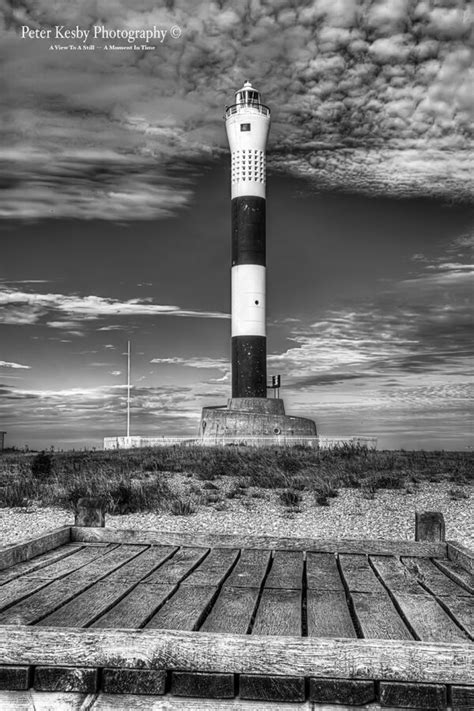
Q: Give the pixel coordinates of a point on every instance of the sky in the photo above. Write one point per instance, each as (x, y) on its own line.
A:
(115, 215)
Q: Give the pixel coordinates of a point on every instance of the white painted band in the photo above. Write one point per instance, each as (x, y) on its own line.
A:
(247, 187)
(248, 300)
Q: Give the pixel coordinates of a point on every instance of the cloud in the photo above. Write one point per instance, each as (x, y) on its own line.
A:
(366, 96)
(212, 363)
(20, 307)
(7, 364)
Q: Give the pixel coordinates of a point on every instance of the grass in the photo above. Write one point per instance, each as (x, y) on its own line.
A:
(138, 480)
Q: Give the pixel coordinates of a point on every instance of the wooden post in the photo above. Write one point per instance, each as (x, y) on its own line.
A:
(429, 526)
(90, 512)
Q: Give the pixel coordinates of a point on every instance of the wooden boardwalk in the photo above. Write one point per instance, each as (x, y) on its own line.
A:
(285, 620)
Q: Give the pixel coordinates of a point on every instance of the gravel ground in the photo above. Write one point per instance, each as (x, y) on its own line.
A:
(390, 514)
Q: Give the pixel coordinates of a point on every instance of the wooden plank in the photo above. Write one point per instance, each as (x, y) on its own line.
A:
(428, 619)
(102, 566)
(83, 680)
(203, 685)
(143, 564)
(459, 554)
(32, 700)
(134, 681)
(14, 678)
(64, 566)
(322, 572)
(38, 561)
(429, 526)
(87, 606)
(413, 696)
(328, 614)
(232, 612)
(250, 569)
(358, 574)
(462, 610)
(462, 697)
(212, 571)
(396, 576)
(11, 555)
(434, 579)
(279, 613)
(136, 608)
(184, 610)
(353, 546)
(256, 687)
(378, 618)
(17, 589)
(58, 592)
(179, 703)
(341, 691)
(388, 660)
(175, 569)
(286, 571)
(458, 574)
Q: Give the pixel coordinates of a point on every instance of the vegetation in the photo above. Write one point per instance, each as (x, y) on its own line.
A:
(138, 480)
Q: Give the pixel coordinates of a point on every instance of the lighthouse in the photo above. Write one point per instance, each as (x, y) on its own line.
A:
(250, 416)
(247, 123)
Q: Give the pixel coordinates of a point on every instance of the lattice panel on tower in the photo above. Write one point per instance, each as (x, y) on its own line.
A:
(248, 164)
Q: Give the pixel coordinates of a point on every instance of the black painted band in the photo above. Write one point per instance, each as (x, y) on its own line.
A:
(249, 366)
(248, 230)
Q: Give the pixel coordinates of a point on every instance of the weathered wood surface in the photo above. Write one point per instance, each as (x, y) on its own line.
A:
(377, 616)
(322, 572)
(426, 572)
(64, 566)
(143, 564)
(32, 547)
(51, 595)
(462, 697)
(202, 685)
(352, 546)
(136, 608)
(429, 526)
(328, 614)
(18, 589)
(428, 619)
(462, 610)
(232, 611)
(279, 613)
(341, 691)
(214, 568)
(133, 681)
(39, 561)
(178, 567)
(185, 610)
(14, 678)
(396, 576)
(458, 574)
(413, 696)
(250, 569)
(242, 654)
(459, 554)
(47, 701)
(87, 606)
(83, 680)
(358, 574)
(257, 687)
(286, 571)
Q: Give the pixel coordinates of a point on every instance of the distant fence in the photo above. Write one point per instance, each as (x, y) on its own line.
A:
(275, 440)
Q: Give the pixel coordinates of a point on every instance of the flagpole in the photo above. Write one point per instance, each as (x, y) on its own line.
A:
(128, 389)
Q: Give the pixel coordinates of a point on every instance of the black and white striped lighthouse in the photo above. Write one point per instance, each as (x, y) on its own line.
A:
(247, 125)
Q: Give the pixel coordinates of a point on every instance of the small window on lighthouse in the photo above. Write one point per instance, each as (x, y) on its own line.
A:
(245, 127)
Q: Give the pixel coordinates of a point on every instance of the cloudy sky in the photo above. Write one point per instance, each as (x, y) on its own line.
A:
(115, 215)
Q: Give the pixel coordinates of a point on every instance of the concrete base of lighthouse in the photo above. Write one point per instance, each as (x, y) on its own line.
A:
(257, 421)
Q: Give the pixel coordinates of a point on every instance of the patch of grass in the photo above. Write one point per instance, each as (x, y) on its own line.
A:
(289, 498)
(137, 480)
(182, 507)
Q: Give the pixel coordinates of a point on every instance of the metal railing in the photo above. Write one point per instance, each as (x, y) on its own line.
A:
(256, 105)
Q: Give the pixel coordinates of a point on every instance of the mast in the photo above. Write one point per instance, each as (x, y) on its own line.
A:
(128, 388)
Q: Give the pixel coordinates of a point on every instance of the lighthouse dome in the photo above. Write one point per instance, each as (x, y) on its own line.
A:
(247, 95)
